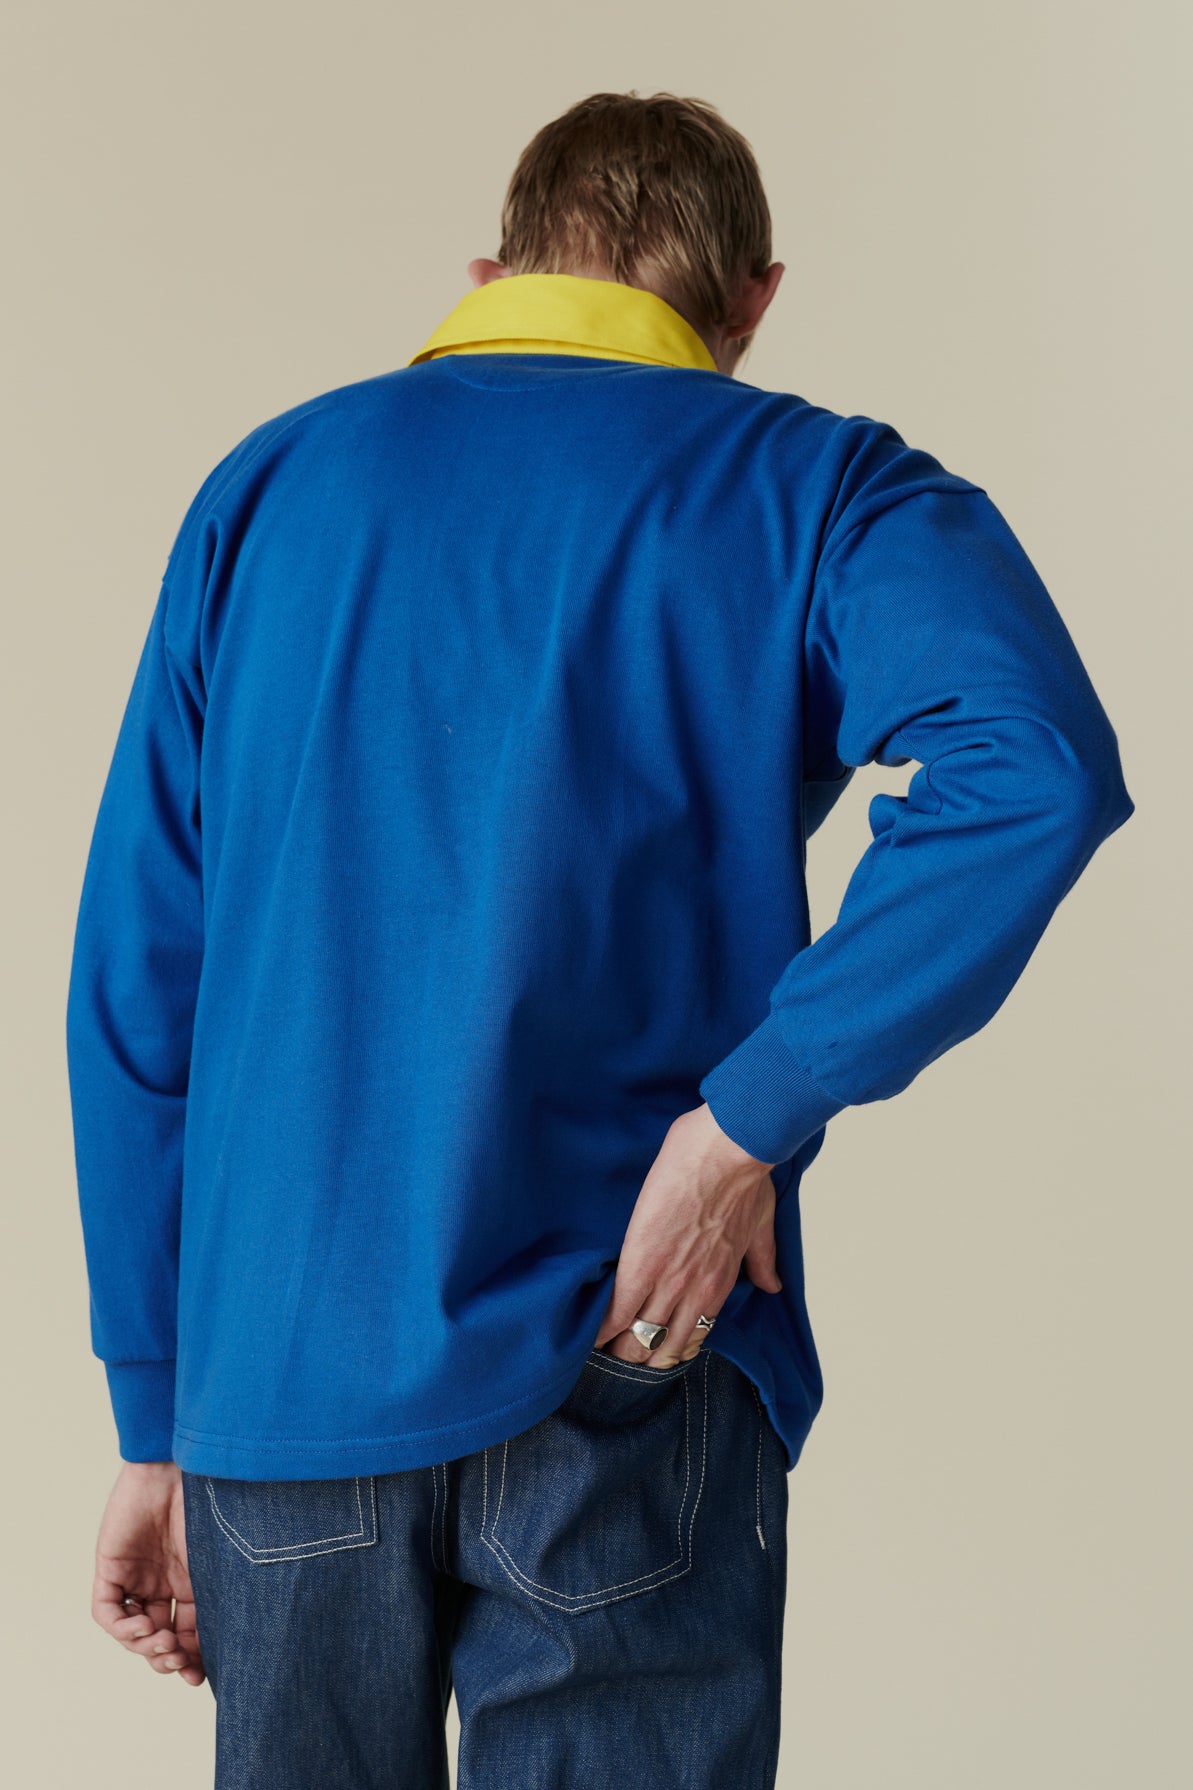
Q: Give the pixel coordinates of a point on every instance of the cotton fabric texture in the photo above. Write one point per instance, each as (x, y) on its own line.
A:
(454, 842)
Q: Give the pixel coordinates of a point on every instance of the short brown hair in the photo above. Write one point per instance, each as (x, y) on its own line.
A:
(658, 192)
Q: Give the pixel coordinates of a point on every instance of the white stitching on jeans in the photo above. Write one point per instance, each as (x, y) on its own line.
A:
(636, 1370)
(301, 1550)
(434, 1509)
(596, 1599)
(758, 1491)
(572, 1595)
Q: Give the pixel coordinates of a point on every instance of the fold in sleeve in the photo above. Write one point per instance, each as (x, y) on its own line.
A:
(134, 976)
(930, 637)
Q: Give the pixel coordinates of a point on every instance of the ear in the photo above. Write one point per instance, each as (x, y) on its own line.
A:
(481, 271)
(753, 298)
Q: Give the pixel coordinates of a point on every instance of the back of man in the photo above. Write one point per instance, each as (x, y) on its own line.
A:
(453, 855)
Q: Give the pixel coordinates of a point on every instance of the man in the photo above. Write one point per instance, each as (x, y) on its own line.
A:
(446, 1039)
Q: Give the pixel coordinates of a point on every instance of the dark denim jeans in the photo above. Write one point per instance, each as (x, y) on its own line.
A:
(604, 1592)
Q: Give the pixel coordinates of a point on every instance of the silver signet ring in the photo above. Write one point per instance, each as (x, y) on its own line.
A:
(649, 1334)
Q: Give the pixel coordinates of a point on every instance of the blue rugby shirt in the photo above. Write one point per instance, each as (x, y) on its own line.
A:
(454, 842)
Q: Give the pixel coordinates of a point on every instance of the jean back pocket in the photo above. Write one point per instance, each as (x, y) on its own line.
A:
(292, 1519)
(598, 1500)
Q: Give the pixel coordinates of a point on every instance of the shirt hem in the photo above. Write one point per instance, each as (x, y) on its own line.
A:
(258, 1458)
(253, 1457)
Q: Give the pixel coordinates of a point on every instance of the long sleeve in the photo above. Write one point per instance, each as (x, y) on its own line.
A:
(930, 637)
(134, 976)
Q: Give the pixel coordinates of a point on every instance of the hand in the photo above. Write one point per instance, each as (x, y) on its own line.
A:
(704, 1208)
(141, 1553)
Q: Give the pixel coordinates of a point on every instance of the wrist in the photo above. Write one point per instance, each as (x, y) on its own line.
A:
(722, 1145)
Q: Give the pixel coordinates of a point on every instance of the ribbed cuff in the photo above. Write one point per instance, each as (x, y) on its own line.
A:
(142, 1394)
(763, 1100)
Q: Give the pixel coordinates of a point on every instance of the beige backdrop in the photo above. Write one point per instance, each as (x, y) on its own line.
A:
(217, 211)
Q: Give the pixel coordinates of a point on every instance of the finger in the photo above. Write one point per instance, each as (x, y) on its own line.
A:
(188, 1635)
(680, 1343)
(123, 1619)
(700, 1331)
(628, 1347)
(166, 1650)
(178, 1654)
(667, 1356)
(155, 1646)
(630, 1293)
(137, 1630)
(131, 1628)
(193, 1670)
(683, 1339)
(670, 1351)
(699, 1335)
(170, 1661)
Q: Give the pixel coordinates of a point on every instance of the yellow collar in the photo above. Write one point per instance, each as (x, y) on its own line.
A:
(562, 313)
